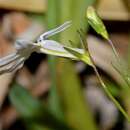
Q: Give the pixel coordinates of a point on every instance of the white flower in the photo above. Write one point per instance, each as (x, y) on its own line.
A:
(25, 48)
(16, 60)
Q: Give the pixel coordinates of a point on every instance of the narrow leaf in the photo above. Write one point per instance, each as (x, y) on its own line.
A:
(32, 110)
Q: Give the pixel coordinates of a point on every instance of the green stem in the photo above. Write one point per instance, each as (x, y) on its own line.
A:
(122, 75)
(119, 62)
(107, 91)
(114, 50)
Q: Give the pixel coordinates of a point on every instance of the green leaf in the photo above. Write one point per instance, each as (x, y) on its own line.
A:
(65, 70)
(77, 109)
(96, 23)
(54, 101)
(70, 88)
(25, 104)
(32, 110)
(35, 126)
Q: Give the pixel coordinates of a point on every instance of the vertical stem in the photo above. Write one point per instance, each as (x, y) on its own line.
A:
(114, 50)
(107, 91)
(124, 76)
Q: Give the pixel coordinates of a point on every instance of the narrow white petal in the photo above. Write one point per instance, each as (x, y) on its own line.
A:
(54, 31)
(6, 69)
(8, 59)
(53, 45)
(13, 66)
(17, 66)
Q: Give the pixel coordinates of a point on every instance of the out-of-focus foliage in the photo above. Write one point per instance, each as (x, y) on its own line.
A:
(33, 111)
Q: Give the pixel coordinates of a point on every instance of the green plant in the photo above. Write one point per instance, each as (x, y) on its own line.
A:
(85, 56)
(55, 48)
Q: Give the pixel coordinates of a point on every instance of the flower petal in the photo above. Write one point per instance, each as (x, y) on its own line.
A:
(8, 59)
(13, 66)
(54, 48)
(54, 31)
(17, 66)
(21, 45)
